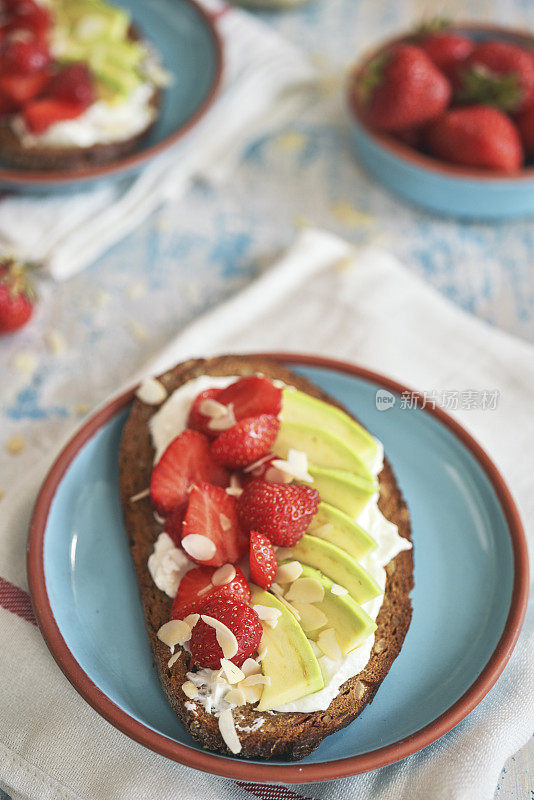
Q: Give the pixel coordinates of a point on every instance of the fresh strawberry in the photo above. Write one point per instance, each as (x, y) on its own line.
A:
(197, 420)
(74, 84)
(499, 74)
(240, 618)
(252, 396)
(39, 115)
(211, 512)
(281, 512)
(20, 89)
(172, 525)
(401, 89)
(22, 56)
(246, 441)
(476, 136)
(447, 50)
(263, 564)
(17, 297)
(196, 589)
(7, 106)
(30, 16)
(186, 460)
(525, 125)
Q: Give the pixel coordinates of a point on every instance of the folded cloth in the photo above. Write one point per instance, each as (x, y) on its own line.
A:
(265, 81)
(325, 298)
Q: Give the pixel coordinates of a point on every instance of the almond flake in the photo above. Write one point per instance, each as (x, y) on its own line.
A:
(267, 613)
(277, 589)
(190, 690)
(234, 490)
(205, 589)
(275, 475)
(56, 343)
(250, 667)
(151, 392)
(252, 693)
(295, 465)
(287, 573)
(16, 445)
(174, 632)
(174, 658)
(257, 680)
(226, 522)
(224, 574)
(290, 608)
(328, 644)
(198, 547)
(306, 590)
(259, 463)
(339, 590)
(224, 422)
(233, 674)
(225, 637)
(262, 651)
(311, 617)
(235, 696)
(213, 409)
(284, 554)
(192, 620)
(140, 496)
(228, 731)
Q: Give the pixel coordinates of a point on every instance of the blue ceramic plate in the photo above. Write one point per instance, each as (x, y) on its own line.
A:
(190, 49)
(469, 599)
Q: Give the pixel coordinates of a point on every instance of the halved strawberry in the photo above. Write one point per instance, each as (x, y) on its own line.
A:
(200, 422)
(250, 439)
(20, 89)
(243, 622)
(41, 114)
(212, 513)
(252, 396)
(73, 84)
(172, 525)
(187, 460)
(29, 16)
(263, 564)
(196, 589)
(23, 56)
(282, 512)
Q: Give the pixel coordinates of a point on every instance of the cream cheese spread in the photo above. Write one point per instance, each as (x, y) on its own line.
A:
(168, 422)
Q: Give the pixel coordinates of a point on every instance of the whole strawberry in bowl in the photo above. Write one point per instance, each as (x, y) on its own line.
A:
(442, 116)
(17, 297)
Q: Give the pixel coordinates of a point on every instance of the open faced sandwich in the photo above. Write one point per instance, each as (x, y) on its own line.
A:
(272, 549)
(78, 84)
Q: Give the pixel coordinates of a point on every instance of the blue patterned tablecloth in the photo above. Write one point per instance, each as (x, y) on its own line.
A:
(90, 333)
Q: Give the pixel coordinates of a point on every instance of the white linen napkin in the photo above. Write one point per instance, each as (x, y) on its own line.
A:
(325, 298)
(265, 81)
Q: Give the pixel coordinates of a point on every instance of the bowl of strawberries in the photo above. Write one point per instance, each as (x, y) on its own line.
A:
(444, 118)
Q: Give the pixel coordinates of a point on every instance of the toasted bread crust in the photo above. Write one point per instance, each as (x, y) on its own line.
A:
(287, 736)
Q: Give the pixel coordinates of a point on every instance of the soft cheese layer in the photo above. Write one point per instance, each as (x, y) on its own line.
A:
(169, 422)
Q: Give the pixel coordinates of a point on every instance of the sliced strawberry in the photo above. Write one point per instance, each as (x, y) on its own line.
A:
(196, 589)
(252, 396)
(24, 56)
(186, 460)
(212, 513)
(250, 439)
(74, 84)
(282, 512)
(263, 564)
(30, 16)
(200, 422)
(41, 114)
(20, 89)
(173, 524)
(243, 622)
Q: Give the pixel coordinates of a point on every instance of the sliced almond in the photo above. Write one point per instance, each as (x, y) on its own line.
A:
(228, 731)
(311, 617)
(234, 489)
(232, 673)
(252, 693)
(235, 696)
(277, 589)
(190, 690)
(192, 620)
(198, 547)
(257, 680)
(226, 522)
(212, 408)
(174, 632)
(290, 608)
(250, 667)
(296, 465)
(174, 658)
(259, 463)
(223, 422)
(284, 554)
(262, 651)
(266, 613)
(306, 590)
(139, 496)
(328, 644)
(151, 392)
(337, 589)
(275, 475)
(224, 574)
(225, 637)
(287, 573)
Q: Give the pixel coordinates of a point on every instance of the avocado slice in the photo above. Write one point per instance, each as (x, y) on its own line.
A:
(350, 622)
(335, 564)
(289, 662)
(341, 531)
(323, 448)
(342, 489)
(301, 407)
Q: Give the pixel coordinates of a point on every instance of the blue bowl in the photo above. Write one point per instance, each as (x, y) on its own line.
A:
(433, 184)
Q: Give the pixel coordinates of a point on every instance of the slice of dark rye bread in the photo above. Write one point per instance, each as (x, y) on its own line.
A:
(288, 736)
(13, 153)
